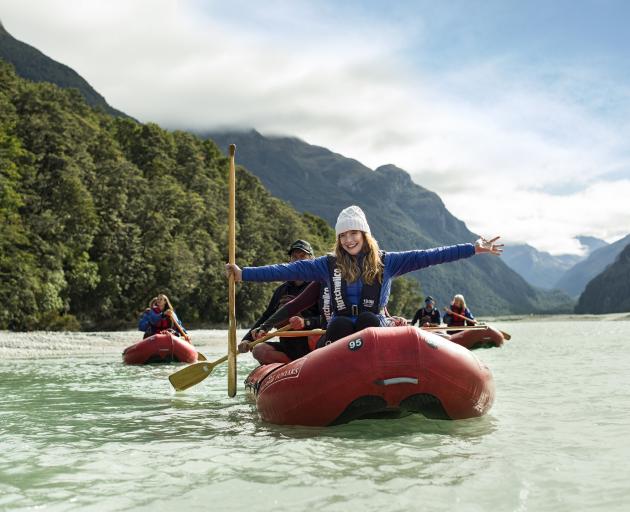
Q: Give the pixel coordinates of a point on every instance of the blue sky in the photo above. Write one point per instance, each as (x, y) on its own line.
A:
(515, 112)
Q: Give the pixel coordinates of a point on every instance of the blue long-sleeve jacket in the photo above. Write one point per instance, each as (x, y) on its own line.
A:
(395, 264)
(149, 318)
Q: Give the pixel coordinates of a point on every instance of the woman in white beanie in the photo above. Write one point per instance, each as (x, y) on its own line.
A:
(358, 274)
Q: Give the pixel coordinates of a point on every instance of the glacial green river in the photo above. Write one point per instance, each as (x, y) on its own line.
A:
(81, 431)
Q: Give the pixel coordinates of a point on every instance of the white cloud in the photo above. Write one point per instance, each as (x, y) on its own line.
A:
(546, 221)
(492, 139)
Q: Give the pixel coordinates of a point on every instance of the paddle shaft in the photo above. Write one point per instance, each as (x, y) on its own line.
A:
(474, 322)
(293, 334)
(231, 283)
(461, 317)
(463, 328)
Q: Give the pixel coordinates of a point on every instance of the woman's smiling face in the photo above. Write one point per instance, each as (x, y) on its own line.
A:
(352, 241)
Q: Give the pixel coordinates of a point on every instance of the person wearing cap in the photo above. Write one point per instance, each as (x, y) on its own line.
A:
(358, 274)
(314, 295)
(285, 349)
(428, 315)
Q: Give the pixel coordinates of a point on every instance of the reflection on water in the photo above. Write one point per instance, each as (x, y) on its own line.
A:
(87, 432)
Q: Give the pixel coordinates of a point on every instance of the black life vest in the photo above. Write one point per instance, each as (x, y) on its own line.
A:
(370, 294)
(325, 306)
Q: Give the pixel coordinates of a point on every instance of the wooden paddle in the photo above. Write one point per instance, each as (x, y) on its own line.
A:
(196, 372)
(463, 328)
(232, 351)
(506, 335)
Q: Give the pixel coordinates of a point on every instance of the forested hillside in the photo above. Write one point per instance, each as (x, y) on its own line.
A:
(100, 213)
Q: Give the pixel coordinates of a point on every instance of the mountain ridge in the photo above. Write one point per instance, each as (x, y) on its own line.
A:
(317, 180)
(34, 65)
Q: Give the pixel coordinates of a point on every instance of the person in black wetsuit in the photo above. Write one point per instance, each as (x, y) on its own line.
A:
(428, 315)
(285, 349)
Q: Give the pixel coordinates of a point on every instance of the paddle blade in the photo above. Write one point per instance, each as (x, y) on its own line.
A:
(201, 357)
(191, 375)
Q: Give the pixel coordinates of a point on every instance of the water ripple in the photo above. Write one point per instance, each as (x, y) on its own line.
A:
(85, 432)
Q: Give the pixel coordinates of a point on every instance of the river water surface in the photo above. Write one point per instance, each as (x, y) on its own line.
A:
(81, 431)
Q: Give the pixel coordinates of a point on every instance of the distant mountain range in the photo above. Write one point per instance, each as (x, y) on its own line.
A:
(537, 267)
(576, 278)
(590, 243)
(402, 215)
(33, 65)
(609, 291)
(542, 269)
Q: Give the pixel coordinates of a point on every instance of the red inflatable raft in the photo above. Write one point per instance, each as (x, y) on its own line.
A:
(378, 372)
(160, 348)
(485, 337)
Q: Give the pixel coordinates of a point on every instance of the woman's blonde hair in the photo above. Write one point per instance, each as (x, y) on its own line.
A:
(168, 302)
(372, 265)
(459, 298)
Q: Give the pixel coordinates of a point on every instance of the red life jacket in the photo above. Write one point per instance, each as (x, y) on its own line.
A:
(163, 324)
(455, 320)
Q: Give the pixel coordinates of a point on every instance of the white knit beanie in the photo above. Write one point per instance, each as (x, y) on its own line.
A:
(351, 218)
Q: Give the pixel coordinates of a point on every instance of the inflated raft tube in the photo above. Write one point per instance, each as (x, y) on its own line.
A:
(378, 372)
(160, 348)
(478, 338)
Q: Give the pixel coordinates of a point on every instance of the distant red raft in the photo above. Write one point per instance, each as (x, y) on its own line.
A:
(485, 337)
(160, 348)
(378, 372)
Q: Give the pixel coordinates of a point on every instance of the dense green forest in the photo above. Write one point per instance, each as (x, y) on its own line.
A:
(98, 214)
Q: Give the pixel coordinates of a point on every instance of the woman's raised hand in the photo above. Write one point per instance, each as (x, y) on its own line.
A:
(488, 246)
(235, 270)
